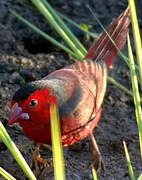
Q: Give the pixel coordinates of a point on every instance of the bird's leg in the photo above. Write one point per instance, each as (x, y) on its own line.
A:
(46, 146)
(37, 160)
(98, 162)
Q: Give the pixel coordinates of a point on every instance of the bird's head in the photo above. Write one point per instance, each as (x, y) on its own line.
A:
(31, 103)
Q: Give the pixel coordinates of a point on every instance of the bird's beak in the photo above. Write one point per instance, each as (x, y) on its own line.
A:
(16, 114)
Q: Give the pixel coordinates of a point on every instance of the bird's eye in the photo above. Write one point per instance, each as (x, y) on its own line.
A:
(33, 103)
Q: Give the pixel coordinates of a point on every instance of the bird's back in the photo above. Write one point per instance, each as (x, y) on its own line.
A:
(79, 89)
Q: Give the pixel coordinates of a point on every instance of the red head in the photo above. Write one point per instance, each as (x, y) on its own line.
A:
(31, 110)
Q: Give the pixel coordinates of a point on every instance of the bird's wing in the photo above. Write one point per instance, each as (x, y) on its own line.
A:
(82, 87)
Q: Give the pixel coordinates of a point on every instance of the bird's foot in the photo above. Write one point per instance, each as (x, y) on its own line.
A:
(98, 163)
(37, 163)
(47, 147)
(97, 158)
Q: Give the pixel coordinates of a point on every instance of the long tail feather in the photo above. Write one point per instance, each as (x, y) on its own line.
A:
(103, 48)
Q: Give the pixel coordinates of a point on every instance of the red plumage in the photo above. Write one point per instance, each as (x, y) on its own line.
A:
(79, 90)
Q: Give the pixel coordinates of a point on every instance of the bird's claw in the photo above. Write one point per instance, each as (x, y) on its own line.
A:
(97, 158)
(37, 163)
(98, 162)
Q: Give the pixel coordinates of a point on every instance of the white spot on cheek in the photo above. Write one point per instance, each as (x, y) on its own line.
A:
(25, 116)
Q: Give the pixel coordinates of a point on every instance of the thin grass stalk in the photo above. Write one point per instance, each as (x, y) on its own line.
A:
(15, 152)
(113, 81)
(66, 49)
(125, 58)
(140, 177)
(131, 172)
(6, 175)
(137, 37)
(65, 28)
(93, 35)
(58, 160)
(47, 14)
(94, 173)
(43, 34)
(135, 87)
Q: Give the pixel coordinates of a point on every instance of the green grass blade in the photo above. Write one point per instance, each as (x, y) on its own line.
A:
(15, 152)
(140, 177)
(47, 14)
(125, 58)
(94, 173)
(6, 174)
(68, 50)
(111, 80)
(120, 53)
(58, 160)
(136, 35)
(65, 28)
(131, 172)
(135, 87)
(64, 48)
(43, 34)
(93, 35)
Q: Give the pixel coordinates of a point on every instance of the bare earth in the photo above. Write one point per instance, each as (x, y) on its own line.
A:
(25, 56)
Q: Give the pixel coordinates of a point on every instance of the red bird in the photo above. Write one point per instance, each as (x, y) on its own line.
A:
(78, 88)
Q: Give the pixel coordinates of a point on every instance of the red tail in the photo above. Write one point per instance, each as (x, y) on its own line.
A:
(102, 48)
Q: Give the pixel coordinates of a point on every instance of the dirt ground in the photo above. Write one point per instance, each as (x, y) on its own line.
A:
(25, 56)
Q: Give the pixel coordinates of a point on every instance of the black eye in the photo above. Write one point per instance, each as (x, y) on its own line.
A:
(33, 103)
